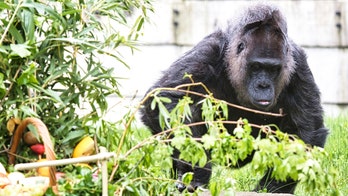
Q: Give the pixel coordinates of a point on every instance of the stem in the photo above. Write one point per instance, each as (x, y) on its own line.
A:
(11, 21)
(11, 85)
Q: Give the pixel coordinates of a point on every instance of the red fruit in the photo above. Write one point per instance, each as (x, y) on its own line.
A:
(38, 148)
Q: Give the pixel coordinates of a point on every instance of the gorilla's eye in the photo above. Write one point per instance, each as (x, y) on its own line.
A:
(255, 68)
(275, 69)
(240, 47)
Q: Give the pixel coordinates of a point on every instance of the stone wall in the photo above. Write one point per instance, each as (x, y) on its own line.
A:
(321, 27)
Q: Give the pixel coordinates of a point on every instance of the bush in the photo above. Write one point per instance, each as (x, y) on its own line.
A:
(50, 65)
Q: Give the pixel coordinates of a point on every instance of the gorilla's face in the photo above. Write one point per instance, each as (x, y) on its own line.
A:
(264, 63)
(260, 64)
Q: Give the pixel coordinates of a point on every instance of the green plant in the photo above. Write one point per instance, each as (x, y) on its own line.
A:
(337, 146)
(80, 181)
(51, 68)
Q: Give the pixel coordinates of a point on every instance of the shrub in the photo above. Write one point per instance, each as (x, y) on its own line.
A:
(50, 65)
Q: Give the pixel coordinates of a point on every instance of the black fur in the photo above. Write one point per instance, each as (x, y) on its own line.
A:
(272, 74)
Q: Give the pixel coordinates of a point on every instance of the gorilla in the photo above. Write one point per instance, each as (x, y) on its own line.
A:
(253, 63)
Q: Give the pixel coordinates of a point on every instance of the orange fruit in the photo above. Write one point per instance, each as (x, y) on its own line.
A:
(43, 171)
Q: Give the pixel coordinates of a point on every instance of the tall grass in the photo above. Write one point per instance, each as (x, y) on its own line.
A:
(337, 147)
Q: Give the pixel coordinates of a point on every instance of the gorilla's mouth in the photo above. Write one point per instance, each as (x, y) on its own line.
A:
(264, 102)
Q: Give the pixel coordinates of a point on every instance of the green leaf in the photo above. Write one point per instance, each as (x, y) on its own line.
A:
(20, 50)
(3, 50)
(202, 161)
(178, 141)
(153, 104)
(28, 76)
(73, 135)
(2, 86)
(187, 177)
(140, 24)
(165, 100)
(29, 25)
(16, 34)
(239, 132)
(208, 141)
(28, 111)
(51, 93)
(256, 160)
(41, 8)
(224, 108)
(4, 5)
(164, 115)
(34, 131)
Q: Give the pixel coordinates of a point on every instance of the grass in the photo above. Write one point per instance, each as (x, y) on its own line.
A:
(336, 146)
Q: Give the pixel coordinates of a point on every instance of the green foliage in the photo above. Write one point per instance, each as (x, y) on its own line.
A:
(81, 181)
(51, 68)
(51, 55)
(337, 147)
(335, 157)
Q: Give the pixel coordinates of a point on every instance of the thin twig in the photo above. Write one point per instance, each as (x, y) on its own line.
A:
(10, 22)
(11, 85)
(19, 156)
(178, 88)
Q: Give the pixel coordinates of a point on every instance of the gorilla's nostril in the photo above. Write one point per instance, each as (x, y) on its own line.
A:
(263, 85)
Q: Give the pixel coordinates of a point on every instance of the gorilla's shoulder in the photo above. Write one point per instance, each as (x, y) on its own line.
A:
(210, 49)
(298, 54)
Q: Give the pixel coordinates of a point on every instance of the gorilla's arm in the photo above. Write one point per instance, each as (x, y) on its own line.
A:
(204, 62)
(302, 99)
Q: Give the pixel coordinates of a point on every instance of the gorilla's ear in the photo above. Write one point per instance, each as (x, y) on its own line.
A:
(223, 43)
